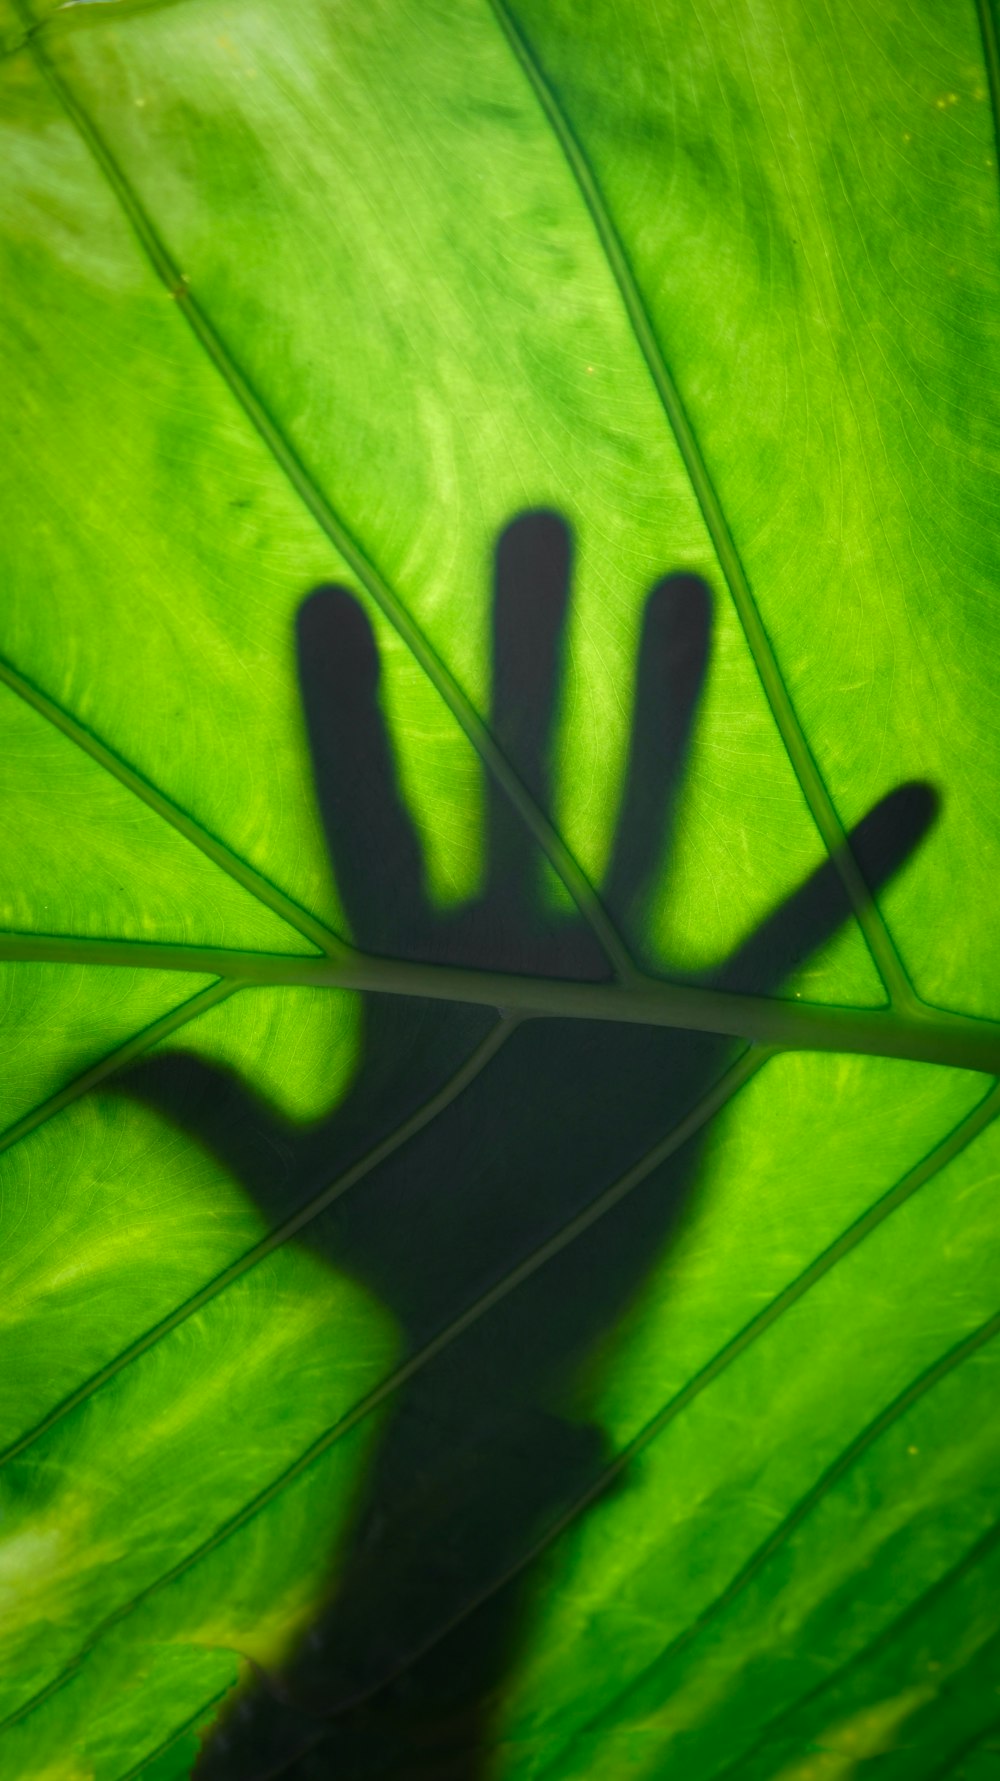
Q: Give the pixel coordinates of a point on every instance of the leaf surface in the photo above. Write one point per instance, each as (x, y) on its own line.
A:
(326, 296)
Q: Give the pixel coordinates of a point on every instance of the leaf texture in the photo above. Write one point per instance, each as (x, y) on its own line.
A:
(499, 946)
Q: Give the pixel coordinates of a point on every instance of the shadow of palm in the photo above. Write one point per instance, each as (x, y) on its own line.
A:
(488, 1444)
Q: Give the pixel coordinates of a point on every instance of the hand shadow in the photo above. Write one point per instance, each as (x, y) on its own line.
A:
(485, 1446)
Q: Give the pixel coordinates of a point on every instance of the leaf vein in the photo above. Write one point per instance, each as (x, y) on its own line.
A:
(244, 874)
(956, 1141)
(723, 1091)
(991, 55)
(926, 1035)
(918, 1388)
(274, 1239)
(332, 524)
(950, 1767)
(117, 1059)
(980, 1550)
(814, 791)
(192, 1723)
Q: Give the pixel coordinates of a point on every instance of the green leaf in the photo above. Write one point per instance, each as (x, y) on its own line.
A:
(498, 1226)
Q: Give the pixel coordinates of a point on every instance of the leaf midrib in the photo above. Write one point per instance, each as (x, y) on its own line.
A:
(924, 1035)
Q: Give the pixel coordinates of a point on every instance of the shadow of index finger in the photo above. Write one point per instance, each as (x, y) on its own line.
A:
(374, 851)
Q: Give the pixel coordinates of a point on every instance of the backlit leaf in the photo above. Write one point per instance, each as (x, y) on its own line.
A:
(498, 1223)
